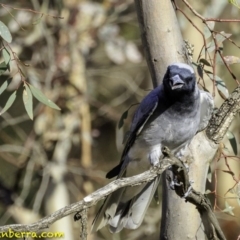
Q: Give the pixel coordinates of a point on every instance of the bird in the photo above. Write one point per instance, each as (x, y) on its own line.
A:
(170, 115)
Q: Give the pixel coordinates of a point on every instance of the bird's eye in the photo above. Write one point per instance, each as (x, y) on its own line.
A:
(188, 79)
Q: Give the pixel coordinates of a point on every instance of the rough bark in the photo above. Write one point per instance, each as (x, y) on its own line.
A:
(161, 36)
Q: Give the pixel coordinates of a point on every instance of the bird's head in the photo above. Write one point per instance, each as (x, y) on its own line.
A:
(179, 79)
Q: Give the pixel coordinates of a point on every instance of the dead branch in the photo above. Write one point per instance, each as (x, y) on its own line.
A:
(89, 200)
(220, 121)
(183, 189)
(203, 205)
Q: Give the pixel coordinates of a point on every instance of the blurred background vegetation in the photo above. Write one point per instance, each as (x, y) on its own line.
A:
(91, 64)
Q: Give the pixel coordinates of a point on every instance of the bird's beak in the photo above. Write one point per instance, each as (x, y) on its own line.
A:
(176, 82)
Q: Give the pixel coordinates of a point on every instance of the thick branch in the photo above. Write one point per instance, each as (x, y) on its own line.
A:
(158, 25)
(196, 198)
(203, 205)
(89, 201)
(164, 45)
(221, 121)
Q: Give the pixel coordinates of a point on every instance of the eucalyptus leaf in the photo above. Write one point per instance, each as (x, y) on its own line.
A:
(206, 32)
(42, 98)
(9, 102)
(211, 46)
(3, 67)
(200, 71)
(219, 59)
(232, 141)
(221, 86)
(28, 101)
(6, 56)
(211, 24)
(205, 62)
(123, 117)
(5, 33)
(208, 72)
(222, 36)
(3, 87)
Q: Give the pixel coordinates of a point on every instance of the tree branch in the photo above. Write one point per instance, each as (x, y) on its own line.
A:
(163, 44)
(158, 24)
(183, 189)
(89, 200)
(220, 121)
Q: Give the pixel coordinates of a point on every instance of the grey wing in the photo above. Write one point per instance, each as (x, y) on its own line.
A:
(206, 109)
(141, 117)
(126, 207)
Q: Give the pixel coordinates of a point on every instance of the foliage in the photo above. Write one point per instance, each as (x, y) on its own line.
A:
(8, 55)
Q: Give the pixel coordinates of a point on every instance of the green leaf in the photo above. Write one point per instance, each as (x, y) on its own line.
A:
(222, 36)
(219, 39)
(229, 172)
(42, 98)
(205, 62)
(123, 117)
(221, 86)
(3, 87)
(3, 67)
(211, 24)
(219, 59)
(9, 102)
(208, 72)
(232, 141)
(28, 101)
(195, 64)
(211, 46)
(6, 56)
(222, 89)
(5, 33)
(206, 31)
(200, 71)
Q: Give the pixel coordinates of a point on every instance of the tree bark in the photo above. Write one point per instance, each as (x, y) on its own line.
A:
(161, 36)
(163, 44)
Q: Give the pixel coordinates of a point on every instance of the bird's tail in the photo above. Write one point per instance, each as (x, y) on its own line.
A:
(120, 211)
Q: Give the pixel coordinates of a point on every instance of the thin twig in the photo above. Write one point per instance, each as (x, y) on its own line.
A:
(208, 19)
(168, 160)
(217, 50)
(30, 10)
(184, 189)
(12, 17)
